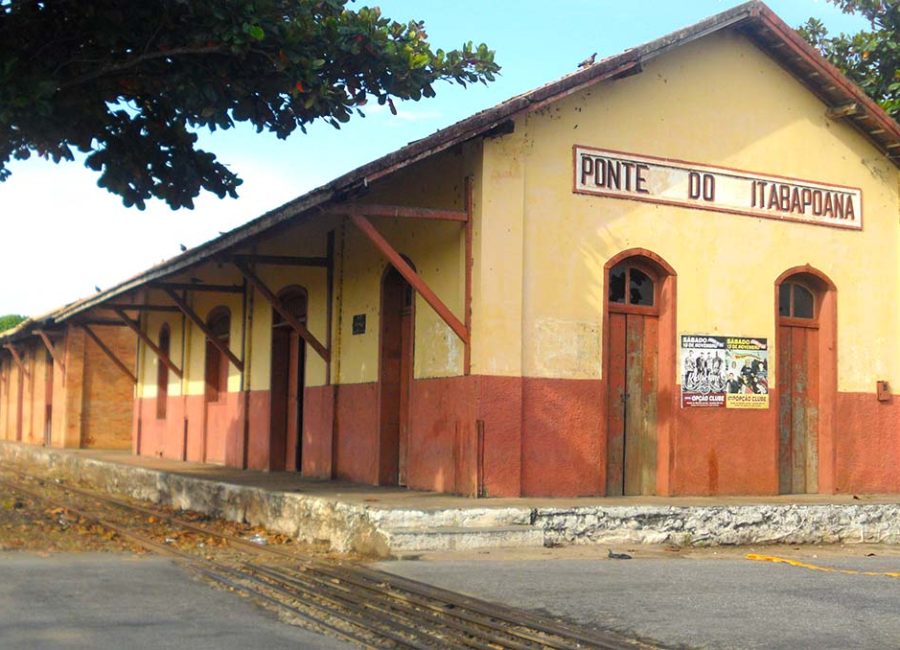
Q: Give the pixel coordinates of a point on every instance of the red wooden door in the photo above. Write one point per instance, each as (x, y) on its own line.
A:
(798, 388)
(633, 356)
(287, 384)
(48, 400)
(281, 361)
(633, 363)
(406, 373)
(296, 383)
(395, 378)
(798, 411)
(20, 403)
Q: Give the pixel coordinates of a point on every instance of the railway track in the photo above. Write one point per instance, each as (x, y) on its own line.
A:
(364, 606)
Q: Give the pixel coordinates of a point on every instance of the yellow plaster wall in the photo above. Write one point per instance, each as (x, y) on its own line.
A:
(719, 101)
(436, 249)
(152, 324)
(497, 274)
(303, 240)
(187, 344)
(203, 303)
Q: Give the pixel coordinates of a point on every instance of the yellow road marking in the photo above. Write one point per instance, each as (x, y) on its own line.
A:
(814, 567)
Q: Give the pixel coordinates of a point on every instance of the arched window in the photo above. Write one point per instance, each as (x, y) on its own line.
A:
(629, 284)
(219, 323)
(796, 300)
(294, 300)
(162, 373)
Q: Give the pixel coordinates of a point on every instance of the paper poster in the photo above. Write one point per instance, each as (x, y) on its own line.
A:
(724, 372)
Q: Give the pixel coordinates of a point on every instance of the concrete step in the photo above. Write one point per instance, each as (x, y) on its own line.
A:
(455, 538)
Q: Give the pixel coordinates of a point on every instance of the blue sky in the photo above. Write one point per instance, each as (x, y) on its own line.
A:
(69, 236)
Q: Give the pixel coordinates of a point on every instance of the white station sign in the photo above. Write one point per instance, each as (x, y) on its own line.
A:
(693, 185)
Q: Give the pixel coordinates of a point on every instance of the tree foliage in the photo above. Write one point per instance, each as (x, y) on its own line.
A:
(129, 83)
(871, 57)
(9, 321)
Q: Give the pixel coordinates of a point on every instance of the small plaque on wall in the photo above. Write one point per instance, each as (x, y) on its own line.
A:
(359, 324)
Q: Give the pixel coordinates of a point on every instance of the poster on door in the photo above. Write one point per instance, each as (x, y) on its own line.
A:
(724, 372)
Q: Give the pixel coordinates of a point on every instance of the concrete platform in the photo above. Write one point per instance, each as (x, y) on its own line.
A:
(392, 521)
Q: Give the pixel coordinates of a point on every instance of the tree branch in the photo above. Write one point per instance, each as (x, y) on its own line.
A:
(113, 69)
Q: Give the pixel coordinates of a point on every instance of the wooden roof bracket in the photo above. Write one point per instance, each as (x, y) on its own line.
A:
(278, 306)
(409, 274)
(51, 349)
(149, 343)
(281, 260)
(402, 211)
(187, 286)
(108, 352)
(196, 320)
(840, 112)
(16, 358)
(141, 308)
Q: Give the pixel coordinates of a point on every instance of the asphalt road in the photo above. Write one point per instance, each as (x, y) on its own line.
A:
(109, 601)
(691, 602)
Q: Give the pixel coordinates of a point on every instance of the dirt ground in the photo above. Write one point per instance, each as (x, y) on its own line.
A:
(29, 524)
(26, 525)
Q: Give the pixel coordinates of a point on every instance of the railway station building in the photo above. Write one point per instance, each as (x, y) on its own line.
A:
(673, 272)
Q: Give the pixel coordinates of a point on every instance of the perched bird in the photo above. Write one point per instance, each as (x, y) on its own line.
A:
(617, 556)
(183, 247)
(588, 61)
(97, 289)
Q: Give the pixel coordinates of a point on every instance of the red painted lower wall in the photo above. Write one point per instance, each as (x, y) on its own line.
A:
(442, 450)
(193, 430)
(500, 411)
(258, 443)
(725, 451)
(563, 445)
(356, 430)
(318, 431)
(867, 444)
(542, 437)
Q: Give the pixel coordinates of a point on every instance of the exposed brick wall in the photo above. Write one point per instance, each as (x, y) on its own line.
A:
(108, 393)
(5, 374)
(67, 429)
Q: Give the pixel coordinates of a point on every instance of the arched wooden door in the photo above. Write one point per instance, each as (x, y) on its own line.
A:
(216, 395)
(48, 399)
(798, 386)
(633, 367)
(288, 382)
(395, 376)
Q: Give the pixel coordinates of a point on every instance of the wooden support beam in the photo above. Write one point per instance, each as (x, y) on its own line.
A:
(202, 326)
(51, 349)
(402, 211)
(16, 358)
(467, 316)
(273, 300)
(840, 112)
(283, 260)
(134, 327)
(411, 276)
(188, 286)
(166, 308)
(102, 322)
(329, 298)
(109, 353)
